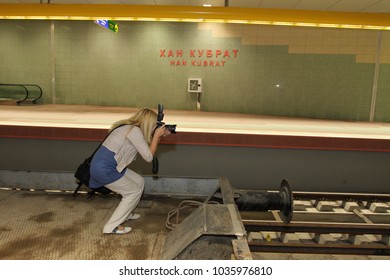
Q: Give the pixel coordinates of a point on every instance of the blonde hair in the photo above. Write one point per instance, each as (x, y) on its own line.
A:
(145, 119)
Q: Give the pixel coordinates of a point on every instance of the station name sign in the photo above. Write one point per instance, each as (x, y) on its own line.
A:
(216, 58)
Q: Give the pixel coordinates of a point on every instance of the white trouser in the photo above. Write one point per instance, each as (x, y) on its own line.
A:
(131, 187)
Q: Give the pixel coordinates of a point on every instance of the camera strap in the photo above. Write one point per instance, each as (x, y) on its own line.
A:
(155, 164)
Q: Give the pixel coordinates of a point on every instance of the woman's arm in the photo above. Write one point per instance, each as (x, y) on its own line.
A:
(158, 133)
(137, 139)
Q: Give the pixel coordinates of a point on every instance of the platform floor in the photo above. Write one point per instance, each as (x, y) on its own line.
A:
(101, 117)
(86, 122)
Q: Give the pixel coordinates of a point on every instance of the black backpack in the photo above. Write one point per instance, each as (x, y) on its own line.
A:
(82, 175)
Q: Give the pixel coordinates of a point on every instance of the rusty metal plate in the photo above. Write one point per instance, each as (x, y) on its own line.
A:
(207, 219)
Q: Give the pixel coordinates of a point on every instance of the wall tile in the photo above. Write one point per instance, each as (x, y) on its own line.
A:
(279, 70)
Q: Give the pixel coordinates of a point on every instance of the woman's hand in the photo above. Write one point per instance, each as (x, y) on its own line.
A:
(161, 131)
(158, 133)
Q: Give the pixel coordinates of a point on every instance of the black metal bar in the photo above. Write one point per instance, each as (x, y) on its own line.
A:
(265, 201)
(259, 202)
(40, 91)
(19, 101)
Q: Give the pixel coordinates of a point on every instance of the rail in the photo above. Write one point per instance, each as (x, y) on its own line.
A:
(326, 223)
(24, 95)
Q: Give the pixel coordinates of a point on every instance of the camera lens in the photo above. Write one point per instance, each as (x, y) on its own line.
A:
(171, 127)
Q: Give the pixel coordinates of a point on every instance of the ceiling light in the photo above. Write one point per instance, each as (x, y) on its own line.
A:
(374, 21)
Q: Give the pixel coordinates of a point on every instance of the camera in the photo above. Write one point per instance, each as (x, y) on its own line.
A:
(160, 116)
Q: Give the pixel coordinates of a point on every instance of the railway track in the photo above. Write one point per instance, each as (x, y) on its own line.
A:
(324, 223)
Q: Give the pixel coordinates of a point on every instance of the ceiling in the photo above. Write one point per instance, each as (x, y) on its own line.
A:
(364, 6)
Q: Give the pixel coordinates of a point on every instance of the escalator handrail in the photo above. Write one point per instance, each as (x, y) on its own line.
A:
(27, 92)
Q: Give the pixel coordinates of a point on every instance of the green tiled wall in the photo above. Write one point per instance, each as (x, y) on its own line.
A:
(24, 55)
(382, 112)
(299, 72)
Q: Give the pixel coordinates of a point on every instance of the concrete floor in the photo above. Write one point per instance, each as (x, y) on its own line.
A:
(44, 225)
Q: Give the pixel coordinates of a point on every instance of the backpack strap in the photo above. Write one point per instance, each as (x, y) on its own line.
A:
(101, 143)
